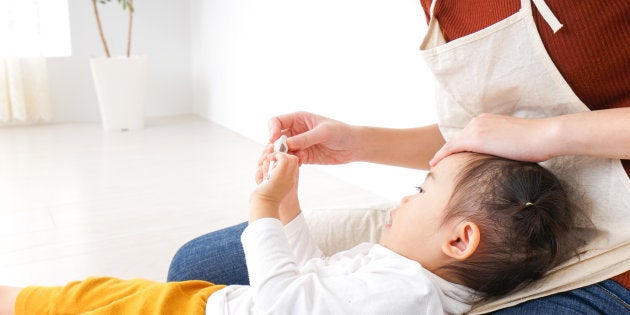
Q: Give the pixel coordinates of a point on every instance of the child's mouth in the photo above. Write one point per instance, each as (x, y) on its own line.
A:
(390, 219)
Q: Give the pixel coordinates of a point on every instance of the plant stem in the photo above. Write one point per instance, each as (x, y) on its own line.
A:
(131, 9)
(100, 29)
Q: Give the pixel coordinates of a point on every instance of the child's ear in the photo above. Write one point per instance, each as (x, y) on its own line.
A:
(463, 241)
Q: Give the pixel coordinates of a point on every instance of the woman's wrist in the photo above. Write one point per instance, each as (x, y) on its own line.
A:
(600, 133)
(359, 137)
(553, 137)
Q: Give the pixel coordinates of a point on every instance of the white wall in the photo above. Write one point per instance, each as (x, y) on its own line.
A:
(161, 31)
(353, 60)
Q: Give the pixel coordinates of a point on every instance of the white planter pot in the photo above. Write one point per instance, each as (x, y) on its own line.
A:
(121, 88)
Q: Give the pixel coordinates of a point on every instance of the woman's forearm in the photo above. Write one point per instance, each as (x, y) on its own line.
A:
(603, 133)
(413, 147)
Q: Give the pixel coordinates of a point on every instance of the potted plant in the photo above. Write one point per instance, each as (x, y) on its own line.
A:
(120, 81)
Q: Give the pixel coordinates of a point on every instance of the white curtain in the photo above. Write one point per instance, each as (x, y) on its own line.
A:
(30, 30)
(24, 93)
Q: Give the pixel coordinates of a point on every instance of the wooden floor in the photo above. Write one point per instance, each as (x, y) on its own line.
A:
(76, 201)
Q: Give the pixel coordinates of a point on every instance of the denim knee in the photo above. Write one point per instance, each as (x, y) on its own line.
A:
(606, 297)
(216, 257)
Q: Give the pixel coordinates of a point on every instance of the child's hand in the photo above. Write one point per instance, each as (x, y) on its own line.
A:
(267, 197)
(283, 177)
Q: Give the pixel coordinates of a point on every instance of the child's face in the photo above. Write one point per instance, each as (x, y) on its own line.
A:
(416, 230)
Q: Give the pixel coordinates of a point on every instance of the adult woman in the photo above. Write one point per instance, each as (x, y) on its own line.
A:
(538, 79)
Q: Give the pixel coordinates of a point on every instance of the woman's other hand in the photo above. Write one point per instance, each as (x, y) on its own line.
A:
(505, 136)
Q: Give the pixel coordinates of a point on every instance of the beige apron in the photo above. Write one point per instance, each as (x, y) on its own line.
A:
(504, 69)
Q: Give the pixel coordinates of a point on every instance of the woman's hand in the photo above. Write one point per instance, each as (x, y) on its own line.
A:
(277, 192)
(599, 133)
(505, 136)
(315, 139)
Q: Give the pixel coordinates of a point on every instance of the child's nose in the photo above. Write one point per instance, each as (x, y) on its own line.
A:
(405, 199)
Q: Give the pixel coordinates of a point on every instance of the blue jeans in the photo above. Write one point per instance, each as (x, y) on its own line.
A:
(606, 297)
(218, 257)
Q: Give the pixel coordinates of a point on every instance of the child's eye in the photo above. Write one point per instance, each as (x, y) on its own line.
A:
(420, 190)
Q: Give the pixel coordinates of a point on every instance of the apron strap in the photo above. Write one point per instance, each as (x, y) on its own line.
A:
(544, 10)
(432, 9)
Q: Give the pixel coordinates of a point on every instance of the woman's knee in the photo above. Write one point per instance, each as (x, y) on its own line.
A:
(216, 257)
(606, 297)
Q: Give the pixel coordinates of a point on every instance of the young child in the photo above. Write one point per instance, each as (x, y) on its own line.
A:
(479, 227)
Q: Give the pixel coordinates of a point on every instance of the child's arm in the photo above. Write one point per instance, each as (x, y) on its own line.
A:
(289, 206)
(299, 238)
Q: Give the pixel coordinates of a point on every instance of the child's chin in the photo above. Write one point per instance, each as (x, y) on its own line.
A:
(384, 235)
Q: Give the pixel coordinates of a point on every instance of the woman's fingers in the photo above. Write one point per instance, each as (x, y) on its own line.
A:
(509, 137)
(439, 155)
(294, 123)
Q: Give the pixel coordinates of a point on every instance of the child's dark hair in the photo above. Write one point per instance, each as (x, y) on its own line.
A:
(527, 223)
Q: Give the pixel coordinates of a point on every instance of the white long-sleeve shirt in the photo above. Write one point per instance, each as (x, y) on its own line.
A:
(289, 275)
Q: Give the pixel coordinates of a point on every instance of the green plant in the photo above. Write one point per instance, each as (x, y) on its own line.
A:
(126, 4)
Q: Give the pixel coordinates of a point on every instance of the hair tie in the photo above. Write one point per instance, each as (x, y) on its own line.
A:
(527, 204)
